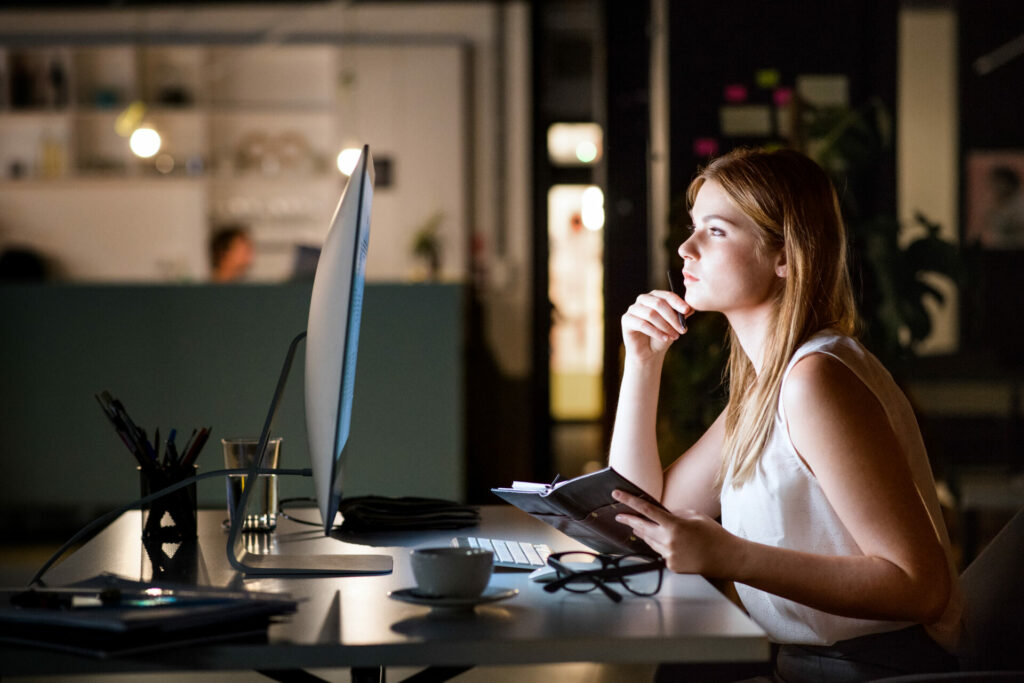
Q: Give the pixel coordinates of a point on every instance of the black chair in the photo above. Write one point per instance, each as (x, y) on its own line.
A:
(994, 591)
(993, 587)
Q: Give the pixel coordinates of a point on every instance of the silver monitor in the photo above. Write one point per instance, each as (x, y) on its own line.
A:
(332, 344)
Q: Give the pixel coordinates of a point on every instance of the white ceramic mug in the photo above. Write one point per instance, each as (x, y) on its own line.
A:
(452, 572)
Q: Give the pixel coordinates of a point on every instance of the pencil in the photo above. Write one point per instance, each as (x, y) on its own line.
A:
(672, 288)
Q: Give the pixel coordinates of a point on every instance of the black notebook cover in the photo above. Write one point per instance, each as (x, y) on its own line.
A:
(199, 615)
(584, 509)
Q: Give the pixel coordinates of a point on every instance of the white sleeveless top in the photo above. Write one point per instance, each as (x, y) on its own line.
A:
(783, 505)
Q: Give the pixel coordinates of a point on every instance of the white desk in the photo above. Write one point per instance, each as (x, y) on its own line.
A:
(350, 622)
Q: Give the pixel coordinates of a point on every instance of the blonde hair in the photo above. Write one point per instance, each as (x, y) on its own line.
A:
(794, 205)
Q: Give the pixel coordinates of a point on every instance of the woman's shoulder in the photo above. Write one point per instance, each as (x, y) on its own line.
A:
(829, 341)
(814, 377)
(826, 364)
(822, 394)
(846, 350)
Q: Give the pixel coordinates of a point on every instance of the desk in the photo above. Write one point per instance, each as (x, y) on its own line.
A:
(350, 621)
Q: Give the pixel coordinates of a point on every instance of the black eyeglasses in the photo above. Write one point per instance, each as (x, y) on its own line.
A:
(582, 572)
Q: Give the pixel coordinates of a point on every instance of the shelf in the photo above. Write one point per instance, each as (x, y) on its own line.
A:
(249, 135)
(34, 114)
(237, 109)
(224, 182)
(94, 180)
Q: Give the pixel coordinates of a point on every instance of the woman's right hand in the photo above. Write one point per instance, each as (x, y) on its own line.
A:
(650, 325)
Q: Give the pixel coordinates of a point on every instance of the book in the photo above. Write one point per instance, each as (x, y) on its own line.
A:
(584, 509)
(109, 616)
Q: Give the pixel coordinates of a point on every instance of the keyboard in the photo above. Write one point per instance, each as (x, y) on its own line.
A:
(511, 554)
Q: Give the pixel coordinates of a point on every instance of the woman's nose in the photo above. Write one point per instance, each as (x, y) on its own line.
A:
(686, 248)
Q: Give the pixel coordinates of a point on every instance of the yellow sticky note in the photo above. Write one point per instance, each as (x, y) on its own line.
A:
(767, 78)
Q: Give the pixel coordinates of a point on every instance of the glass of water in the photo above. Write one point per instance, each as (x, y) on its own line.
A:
(261, 510)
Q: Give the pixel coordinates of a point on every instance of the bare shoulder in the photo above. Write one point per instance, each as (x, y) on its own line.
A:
(817, 377)
(826, 403)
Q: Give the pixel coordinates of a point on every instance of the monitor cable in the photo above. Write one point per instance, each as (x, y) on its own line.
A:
(89, 529)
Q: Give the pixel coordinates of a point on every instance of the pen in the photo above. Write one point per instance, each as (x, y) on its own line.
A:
(130, 441)
(672, 288)
(79, 598)
(137, 434)
(185, 448)
(171, 450)
(193, 452)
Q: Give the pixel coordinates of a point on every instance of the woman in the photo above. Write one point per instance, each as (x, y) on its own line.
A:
(830, 526)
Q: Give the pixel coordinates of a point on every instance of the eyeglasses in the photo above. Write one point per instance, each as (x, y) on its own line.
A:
(582, 572)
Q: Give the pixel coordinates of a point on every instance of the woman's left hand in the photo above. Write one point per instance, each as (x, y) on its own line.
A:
(690, 542)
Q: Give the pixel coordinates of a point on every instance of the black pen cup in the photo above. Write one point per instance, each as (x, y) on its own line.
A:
(170, 518)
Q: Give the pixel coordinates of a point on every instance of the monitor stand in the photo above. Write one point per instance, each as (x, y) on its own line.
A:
(252, 564)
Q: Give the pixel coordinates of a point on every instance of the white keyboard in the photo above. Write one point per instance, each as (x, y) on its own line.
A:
(512, 554)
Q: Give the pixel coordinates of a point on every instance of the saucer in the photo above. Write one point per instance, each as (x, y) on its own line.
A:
(413, 596)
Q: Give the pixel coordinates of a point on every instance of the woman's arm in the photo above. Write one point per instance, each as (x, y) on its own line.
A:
(690, 480)
(648, 329)
(634, 447)
(841, 431)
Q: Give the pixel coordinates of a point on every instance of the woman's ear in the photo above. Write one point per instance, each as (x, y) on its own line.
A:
(780, 264)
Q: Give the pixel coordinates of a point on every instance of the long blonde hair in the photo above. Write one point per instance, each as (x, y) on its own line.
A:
(794, 205)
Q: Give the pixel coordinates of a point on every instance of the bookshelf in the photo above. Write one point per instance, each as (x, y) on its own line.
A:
(250, 132)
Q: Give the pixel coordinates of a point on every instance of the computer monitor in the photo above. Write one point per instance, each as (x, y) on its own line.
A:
(332, 336)
(332, 344)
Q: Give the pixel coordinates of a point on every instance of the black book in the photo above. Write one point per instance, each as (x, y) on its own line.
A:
(584, 509)
(110, 616)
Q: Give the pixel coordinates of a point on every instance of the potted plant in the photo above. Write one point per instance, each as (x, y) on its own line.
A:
(426, 246)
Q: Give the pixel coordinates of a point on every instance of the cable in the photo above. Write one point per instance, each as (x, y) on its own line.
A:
(281, 511)
(104, 519)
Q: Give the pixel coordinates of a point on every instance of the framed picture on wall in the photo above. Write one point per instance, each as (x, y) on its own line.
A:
(995, 199)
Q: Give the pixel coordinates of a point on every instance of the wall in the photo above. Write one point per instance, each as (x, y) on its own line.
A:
(192, 356)
(103, 230)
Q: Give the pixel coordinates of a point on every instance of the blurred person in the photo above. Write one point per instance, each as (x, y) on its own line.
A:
(23, 264)
(231, 254)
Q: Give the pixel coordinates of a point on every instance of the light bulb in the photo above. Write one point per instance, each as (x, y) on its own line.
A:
(347, 159)
(144, 142)
(586, 152)
(592, 208)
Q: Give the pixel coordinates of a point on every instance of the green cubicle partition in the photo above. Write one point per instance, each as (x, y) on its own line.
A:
(185, 356)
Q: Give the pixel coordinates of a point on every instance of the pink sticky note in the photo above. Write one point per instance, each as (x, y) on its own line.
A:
(735, 92)
(705, 147)
(782, 96)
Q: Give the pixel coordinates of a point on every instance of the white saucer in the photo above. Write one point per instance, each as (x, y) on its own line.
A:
(489, 595)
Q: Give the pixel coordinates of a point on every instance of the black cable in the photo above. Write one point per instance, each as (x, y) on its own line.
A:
(281, 511)
(104, 519)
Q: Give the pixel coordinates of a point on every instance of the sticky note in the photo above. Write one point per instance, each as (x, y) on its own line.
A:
(767, 78)
(735, 92)
(705, 147)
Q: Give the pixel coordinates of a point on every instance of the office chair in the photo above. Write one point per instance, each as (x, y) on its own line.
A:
(993, 586)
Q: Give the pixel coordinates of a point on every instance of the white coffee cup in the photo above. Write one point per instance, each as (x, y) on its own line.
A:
(452, 572)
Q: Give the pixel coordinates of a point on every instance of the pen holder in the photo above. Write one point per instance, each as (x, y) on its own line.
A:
(171, 518)
(172, 561)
